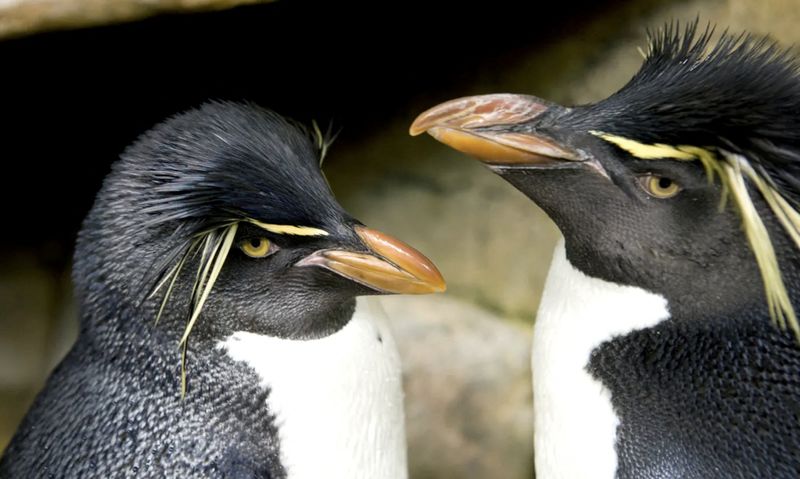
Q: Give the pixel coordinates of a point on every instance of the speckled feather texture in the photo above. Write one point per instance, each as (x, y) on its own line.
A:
(127, 418)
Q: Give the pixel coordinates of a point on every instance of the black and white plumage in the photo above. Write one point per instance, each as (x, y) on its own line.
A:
(216, 231)
(666, 343)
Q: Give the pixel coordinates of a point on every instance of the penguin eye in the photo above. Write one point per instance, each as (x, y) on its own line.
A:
(659, 187)
(257, 247)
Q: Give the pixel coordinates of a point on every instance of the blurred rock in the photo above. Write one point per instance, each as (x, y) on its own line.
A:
(26, 294)
(37, 327)
(468, 389)
(25, 17)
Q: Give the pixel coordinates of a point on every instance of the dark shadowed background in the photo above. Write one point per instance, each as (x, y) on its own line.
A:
(72, 99)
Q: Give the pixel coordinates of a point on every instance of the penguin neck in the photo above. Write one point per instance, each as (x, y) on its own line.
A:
(337, 400)
(575, 423)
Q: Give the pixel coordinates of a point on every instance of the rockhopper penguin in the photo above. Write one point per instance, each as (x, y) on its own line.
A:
(666, 343)
(217, 231)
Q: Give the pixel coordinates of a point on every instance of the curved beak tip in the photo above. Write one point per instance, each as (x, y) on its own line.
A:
(418, 274)
(390, 266)
(435, 282)
(419, 126)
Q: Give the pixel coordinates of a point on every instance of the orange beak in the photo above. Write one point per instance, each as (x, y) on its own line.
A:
(391, 266)
(477, 126)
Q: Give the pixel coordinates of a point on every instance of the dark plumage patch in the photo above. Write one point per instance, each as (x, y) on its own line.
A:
(699, 401)
(103, 415)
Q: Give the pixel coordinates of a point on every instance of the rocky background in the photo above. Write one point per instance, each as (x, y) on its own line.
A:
(466, 352)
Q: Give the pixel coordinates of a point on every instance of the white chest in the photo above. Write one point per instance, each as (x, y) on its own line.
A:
(574, 422)
(338, 400)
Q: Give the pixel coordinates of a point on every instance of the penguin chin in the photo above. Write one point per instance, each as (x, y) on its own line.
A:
(313, 318)
(327, 322)
(295, 307)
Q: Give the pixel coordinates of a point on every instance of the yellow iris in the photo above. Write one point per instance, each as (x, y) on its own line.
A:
(255, 247)
(659, 186)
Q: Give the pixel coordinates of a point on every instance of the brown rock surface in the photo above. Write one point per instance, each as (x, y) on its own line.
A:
(24, 17)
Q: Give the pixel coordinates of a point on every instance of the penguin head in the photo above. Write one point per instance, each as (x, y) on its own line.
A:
(220, 220)
(675, 183)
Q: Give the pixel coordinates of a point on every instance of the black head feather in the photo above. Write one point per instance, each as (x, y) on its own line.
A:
(230, 161)
(740, 93)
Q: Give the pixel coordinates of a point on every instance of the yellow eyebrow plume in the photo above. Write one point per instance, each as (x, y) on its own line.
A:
(289, 229)
(644, 151)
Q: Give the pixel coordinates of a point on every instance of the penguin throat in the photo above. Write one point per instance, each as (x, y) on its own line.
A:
(574, 421)
(337, 401)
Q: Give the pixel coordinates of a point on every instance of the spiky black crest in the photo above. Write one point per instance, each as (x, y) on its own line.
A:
(740, 93)
(227, 161)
